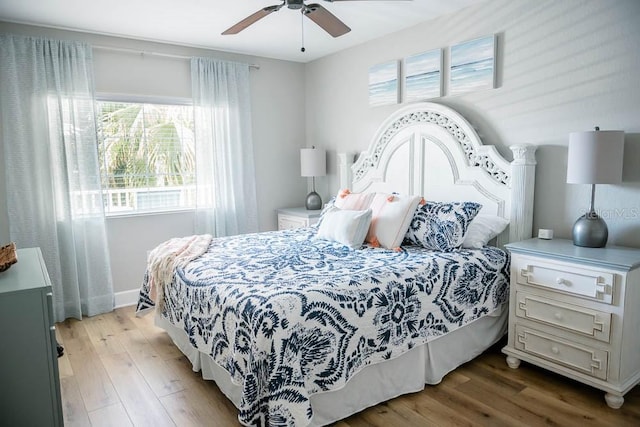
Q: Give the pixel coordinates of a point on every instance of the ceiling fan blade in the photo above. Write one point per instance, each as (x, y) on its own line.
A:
(251, 19)
(326, 20)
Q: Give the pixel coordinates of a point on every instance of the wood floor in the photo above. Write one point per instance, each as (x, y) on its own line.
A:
(119, 370)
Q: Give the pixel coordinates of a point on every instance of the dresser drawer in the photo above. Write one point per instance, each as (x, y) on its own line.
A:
(572, 279)
(286, 222)
(572, 318)
(581, 358)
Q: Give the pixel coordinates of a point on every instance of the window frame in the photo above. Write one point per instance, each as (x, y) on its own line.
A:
(141, 99)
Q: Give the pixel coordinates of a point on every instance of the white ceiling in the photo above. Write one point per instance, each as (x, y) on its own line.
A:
(199, 22)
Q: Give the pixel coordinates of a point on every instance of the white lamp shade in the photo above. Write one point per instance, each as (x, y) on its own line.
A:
(595, 157)
(313, 162)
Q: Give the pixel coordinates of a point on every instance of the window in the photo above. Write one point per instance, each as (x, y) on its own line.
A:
(147, 157)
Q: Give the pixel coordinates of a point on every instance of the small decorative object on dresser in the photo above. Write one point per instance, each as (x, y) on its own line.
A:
(8, 256)
(574, 311)
(289, 218)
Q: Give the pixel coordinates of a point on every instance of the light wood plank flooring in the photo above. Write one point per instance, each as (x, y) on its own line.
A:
(119, 370)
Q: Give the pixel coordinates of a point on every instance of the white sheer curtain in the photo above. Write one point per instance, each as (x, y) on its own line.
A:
(48, 128)
(225, 173)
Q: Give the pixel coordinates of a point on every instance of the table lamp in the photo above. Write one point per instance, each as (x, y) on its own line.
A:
(595, 157)
(313, 162)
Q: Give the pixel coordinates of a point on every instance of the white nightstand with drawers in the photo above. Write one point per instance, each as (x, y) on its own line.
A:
(576, 311)
(297, 217)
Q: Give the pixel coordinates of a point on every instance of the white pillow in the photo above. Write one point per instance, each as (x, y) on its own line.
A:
(348, 227)
(482, 229)
(392, 214)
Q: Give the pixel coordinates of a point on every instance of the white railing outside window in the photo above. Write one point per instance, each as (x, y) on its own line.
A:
(134, 200)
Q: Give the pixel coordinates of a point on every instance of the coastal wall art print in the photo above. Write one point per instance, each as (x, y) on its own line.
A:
(472, 65)
(383, 83)
(423, 76)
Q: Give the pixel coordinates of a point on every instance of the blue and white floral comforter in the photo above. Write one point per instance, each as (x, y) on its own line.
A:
(288, 316)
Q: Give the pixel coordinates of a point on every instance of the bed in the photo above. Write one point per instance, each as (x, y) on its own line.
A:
(297, 330)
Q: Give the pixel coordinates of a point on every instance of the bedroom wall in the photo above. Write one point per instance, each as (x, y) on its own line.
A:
(563, 66)
(277, 91)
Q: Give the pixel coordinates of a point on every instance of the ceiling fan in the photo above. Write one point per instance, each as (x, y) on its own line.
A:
(318, 14)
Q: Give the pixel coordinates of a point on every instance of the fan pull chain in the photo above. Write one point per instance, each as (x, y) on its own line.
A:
(302, 49)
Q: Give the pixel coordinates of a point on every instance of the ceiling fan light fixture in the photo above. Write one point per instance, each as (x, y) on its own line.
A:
(295, 4)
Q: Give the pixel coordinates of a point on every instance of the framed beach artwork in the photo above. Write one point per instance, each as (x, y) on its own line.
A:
(472, 65)
(423, 76)
(383, 83)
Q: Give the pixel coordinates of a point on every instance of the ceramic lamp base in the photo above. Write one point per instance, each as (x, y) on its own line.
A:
(313, 202)
(590, 231)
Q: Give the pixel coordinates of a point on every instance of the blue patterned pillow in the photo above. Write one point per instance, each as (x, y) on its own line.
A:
(441, 226)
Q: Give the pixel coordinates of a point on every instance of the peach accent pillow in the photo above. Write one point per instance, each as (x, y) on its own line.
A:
(346, 200)
(391, 217)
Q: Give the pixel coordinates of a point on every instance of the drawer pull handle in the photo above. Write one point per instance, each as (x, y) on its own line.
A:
(558, 316)
(561, 281)
(601, 288)
(598, 326)
(525, 272)
(555, 350)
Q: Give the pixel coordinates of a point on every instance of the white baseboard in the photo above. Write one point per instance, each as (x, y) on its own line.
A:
(126, 298)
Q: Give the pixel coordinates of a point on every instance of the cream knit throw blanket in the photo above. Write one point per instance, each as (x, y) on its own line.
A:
(168, 256)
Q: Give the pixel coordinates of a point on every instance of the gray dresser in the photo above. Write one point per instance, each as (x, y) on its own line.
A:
(29, 383)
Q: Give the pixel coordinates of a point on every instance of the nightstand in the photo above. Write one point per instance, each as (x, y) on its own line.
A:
(289, 218)
(576, 311)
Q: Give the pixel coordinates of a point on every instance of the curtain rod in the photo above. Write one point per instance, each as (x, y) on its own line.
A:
(150, 53)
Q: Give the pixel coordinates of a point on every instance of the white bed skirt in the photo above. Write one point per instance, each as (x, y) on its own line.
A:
(408, 373)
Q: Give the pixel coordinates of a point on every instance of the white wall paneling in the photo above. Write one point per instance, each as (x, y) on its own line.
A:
(562, 66)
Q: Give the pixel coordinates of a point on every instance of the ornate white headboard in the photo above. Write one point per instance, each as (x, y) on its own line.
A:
(430, 150)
